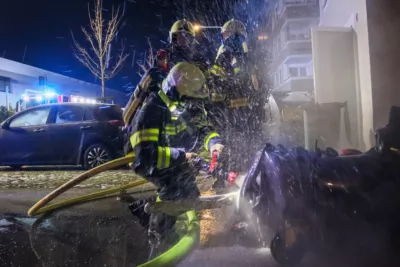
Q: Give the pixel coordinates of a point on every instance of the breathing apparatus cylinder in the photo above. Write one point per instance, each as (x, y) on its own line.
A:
(151, 82)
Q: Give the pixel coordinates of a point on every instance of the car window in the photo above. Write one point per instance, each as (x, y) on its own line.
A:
(107, 113)
(68, 114)
(31, 118)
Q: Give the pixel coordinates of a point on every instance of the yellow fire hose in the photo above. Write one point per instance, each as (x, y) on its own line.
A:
(77, 180)
(168, 258)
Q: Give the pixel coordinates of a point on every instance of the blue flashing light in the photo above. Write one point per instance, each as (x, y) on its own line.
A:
(49, 94)
(39, 98)
(25, 97)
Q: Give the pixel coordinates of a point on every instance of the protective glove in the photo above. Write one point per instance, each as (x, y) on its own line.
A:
(232, 177)
(195, 161)
(190, 156)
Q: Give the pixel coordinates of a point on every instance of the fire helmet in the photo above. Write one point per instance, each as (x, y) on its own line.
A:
(181, 26)
(233, 27)
(188, 80)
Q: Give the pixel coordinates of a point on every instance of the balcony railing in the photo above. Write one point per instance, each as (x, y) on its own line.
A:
(291, 49)
(296, 84)
(293, 2)
(294, 11)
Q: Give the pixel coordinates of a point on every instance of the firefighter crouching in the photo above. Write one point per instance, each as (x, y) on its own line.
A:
(232, 93)
(162, 136)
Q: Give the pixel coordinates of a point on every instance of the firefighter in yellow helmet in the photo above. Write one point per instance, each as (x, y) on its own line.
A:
(233, 90)
(179, 49)
(164, 135)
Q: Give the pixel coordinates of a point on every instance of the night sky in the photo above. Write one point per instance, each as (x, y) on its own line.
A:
(43, 28)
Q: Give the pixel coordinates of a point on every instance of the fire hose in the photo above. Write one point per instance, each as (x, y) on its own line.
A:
(168, 258)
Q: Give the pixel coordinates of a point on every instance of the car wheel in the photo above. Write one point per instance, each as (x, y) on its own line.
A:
(95, 155)
(287, 255)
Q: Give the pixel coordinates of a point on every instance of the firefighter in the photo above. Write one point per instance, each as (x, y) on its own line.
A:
(179, 49)
(163, 137)
(233, 91)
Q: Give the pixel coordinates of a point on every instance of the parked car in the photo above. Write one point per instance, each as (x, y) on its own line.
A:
(62, 134)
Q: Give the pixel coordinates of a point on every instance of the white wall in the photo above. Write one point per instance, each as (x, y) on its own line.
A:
(353, 13)
(335, 81)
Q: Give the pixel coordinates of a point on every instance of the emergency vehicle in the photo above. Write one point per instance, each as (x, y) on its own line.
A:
(33, 98)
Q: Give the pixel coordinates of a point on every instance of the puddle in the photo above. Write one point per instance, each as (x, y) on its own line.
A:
(86, 235)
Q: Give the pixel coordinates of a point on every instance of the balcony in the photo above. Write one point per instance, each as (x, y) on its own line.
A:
(294, 52)
(293, 12)
(296, 84)
(299, 2)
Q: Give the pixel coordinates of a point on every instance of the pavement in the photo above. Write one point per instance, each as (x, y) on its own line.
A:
(104, 233)
(101, 233)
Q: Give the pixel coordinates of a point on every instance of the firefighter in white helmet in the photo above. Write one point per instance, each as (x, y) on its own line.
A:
(163, 138)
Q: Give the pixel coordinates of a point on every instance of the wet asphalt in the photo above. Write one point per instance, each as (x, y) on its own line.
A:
(100, 233)
(104, 233)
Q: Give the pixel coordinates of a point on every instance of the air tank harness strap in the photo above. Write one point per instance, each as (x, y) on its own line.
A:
(238, 103)
(170, 104)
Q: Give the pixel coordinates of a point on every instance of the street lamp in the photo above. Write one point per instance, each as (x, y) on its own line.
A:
(197, 27)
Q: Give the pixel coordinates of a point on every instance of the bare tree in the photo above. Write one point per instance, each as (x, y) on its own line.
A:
(149, 61)
(99, 35)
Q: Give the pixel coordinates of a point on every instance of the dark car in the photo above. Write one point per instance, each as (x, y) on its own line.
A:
(62, 134)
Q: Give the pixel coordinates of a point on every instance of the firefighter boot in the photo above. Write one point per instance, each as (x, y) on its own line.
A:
(161, 228)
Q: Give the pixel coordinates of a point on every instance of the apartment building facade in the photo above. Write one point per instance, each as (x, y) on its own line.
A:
(290, 66)
(290, 59)
(356, 61)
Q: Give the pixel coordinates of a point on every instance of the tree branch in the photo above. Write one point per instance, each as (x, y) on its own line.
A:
(151, 58)
(99, 36)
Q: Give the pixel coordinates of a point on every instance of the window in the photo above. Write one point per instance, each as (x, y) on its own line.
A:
(299, 30)
(31, 118)
(5, 84)
(293, 72)
(68, 114)
(291, 2)
(297, 71)
(107, 113)
(42, 81)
